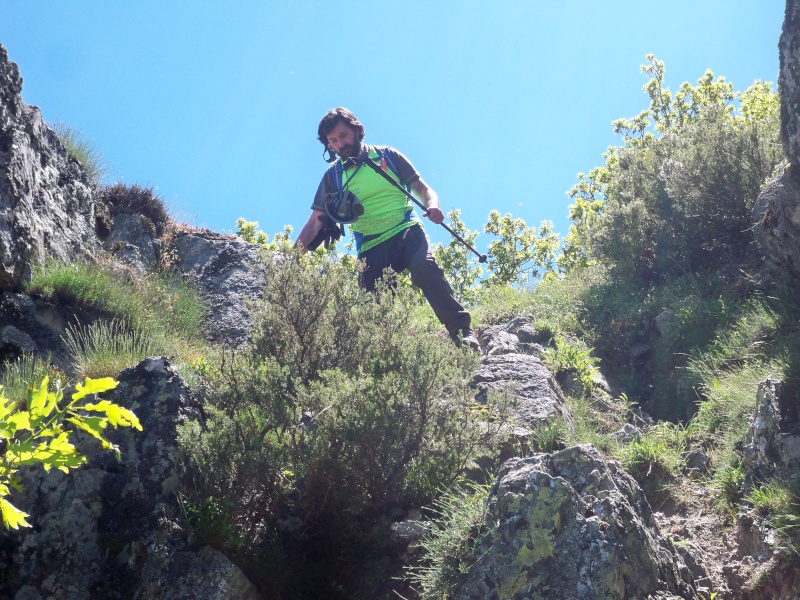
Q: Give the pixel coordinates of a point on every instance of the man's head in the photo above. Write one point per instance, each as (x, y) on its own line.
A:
(341, 133)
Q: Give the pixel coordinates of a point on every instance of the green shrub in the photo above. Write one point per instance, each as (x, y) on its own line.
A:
(571, 357)
(654, 459)
(779, 500)
(678, 193)
(84, 150)
(728, 481)
(449, 552)
(344, 407)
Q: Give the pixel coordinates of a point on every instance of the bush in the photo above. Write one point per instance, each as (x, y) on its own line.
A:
(136, 200)
(343, 408)
(679, 192)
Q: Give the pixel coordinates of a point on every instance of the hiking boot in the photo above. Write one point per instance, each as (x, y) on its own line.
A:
(471, 341)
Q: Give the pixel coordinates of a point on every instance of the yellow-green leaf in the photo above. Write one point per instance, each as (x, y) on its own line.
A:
(93, 386)
(36, 398)
(93, 426)
(117, 415)
(19, 421)
(12, 516)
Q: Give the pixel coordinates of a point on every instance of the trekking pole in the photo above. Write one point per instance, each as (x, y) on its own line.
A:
(371, 164)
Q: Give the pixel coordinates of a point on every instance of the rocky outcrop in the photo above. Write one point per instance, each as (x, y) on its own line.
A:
(776, 221)
(773, 440)
(512, 364)
(46, 201)
(776, 213)
(572, 525)
(789, 81)
(114, 529)
(223, 267)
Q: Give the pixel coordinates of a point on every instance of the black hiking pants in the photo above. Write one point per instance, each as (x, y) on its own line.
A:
(409, 250)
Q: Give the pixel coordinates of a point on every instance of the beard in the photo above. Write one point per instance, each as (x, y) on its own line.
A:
(350, 151)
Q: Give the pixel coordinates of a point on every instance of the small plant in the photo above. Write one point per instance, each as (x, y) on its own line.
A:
(161, 313)
(84, 150)
(450, 549)
(780, 501)
(572, 357)
(37, 435)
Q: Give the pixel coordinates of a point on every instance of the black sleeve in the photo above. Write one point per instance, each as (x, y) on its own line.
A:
(405, 170)
(325, 185)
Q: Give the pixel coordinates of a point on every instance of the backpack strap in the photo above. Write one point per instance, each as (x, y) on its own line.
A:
(388, 161)
(336, 174)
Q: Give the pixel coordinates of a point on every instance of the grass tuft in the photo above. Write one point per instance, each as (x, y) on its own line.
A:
(105, 348)
(84, 150)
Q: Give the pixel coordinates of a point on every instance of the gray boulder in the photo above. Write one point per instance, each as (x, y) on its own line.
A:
(789, 81)
(773, 440)
(46, 200)
(572, 525)
(536, 394)
(223, 266)
(512, 364)
(776, 221)
(132, 241)
(113, 529)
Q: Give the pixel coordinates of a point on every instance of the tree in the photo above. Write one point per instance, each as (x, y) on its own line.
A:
(679, 190)
(458, 262)
(521, 253)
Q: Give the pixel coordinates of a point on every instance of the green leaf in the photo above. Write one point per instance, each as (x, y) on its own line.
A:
(37, 398)
(6, 406)
(117, 415)
(19, 421)
(94, 426)
(12, 516)
(93, 386)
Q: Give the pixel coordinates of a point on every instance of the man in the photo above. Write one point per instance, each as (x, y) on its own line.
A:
(388, 233)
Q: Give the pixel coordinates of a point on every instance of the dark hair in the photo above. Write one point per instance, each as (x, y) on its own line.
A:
(332, 118)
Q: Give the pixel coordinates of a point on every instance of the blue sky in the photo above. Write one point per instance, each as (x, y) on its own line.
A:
(498, 105)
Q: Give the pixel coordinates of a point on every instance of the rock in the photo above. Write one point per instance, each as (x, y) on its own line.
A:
(776, 225)
(222, 265)
(20, 340)
(571, 525)
(132, 241)
(789, 81)
(627, 434)
(408, 532)
(697, 461)
(537, 395)
(665, 322)
(497, 340)
(114, 529)
(46, 200)
(772, 440)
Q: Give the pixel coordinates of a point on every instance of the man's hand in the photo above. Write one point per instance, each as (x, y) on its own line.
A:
(435, 214)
